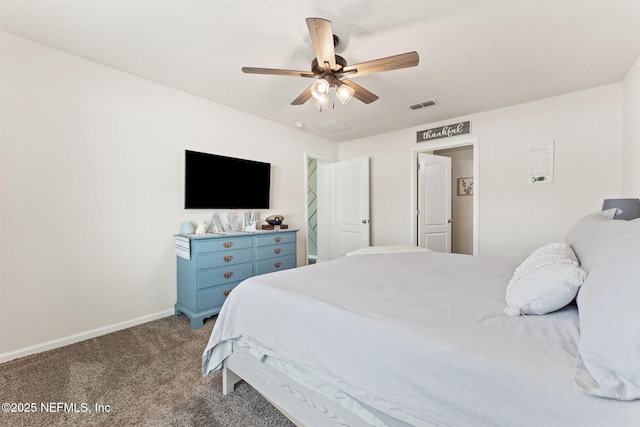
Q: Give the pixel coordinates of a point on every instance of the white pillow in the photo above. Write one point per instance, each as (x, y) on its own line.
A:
(546, 281)
(609, 308)
(393, 249)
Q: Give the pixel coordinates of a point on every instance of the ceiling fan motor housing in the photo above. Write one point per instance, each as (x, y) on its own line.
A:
(317, 69)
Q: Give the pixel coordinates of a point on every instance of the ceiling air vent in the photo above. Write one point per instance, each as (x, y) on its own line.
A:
(427, 103)
(333, 126)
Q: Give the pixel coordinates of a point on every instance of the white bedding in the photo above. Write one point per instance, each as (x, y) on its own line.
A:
(421, 337)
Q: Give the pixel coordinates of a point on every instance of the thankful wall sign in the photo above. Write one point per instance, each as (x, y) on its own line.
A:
(444, 131)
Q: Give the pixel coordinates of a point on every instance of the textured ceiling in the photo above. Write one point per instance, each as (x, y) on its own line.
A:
(474, 55)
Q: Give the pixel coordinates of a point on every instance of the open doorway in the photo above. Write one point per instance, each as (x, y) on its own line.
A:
(464, 193)
(337, 208)
(318, 208)
(312, 210)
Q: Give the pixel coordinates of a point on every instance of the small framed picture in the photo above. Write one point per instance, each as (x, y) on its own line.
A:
(465, 186)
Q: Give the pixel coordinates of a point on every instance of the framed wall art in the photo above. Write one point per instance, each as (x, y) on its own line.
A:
(465, 186)
(540, 163)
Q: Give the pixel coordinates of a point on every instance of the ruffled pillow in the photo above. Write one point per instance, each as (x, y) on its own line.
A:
(546, 281)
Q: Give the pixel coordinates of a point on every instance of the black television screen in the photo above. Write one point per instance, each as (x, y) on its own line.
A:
(220, 182)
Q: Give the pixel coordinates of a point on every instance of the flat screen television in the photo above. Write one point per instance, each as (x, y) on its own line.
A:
(219, 182)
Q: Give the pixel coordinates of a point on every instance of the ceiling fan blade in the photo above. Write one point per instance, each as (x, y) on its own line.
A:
(360, 93)
(396, 62)
(303, 97)
(322, 40)
(277, 72)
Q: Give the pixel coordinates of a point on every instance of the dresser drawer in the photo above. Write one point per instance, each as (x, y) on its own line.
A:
(221, 259)
(221, 276)
(280, 250)
(214, 297)
(275, 239)
(216, 245)
(277, 264)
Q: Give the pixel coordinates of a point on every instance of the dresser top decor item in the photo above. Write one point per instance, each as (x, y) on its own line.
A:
(275, 219)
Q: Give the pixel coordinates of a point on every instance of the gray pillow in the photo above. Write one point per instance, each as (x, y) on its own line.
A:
(587, 233)
(609, 309)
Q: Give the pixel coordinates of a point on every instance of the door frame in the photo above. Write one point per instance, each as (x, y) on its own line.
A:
(441, 145)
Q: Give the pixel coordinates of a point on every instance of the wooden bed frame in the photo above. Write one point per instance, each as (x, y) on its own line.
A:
(303, 406)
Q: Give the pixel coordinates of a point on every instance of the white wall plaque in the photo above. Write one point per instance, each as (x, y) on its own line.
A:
(540, 163)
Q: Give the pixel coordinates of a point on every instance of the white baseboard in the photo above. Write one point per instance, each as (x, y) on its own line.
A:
(72, 339)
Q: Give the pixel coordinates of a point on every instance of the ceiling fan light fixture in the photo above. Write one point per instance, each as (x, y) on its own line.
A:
(321, 103)
(344, 93)
(320, 89)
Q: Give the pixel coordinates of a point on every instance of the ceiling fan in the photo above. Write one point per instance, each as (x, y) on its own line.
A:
(332, 71)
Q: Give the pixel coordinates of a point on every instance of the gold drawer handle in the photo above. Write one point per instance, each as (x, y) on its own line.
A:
(227, 245)
(226, 293)
(277, 250)
(277, 265)
(228, 275)
(277, 239)
(227, 258)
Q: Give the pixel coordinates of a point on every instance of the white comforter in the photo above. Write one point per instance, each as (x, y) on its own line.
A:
(421, 337)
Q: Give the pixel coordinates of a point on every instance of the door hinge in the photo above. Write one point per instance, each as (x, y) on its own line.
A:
(418, 212)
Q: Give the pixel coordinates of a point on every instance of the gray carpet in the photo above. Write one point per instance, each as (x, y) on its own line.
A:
(148, 375)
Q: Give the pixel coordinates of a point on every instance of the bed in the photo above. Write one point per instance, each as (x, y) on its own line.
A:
(424, 338)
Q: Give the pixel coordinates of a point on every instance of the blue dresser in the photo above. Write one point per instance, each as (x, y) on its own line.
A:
(219, 262)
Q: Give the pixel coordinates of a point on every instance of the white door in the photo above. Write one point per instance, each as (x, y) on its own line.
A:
(434, 202)
(351, 189)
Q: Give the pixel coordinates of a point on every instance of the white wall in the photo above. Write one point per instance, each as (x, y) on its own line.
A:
(514, 218)
(91, 185)
(631, 157)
